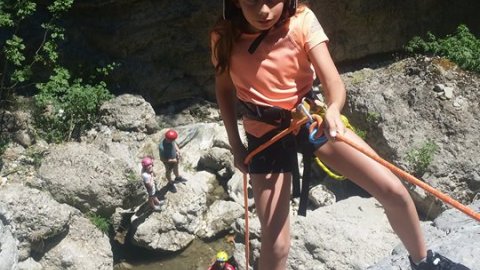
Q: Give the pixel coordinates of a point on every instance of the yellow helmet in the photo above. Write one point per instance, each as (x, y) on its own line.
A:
(222, 256)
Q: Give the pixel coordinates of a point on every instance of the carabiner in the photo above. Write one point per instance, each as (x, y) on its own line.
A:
(314, 122)
(317, 141)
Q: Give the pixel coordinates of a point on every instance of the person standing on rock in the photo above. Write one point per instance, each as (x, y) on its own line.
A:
(266, 54)
(170, 156)
(148, 178)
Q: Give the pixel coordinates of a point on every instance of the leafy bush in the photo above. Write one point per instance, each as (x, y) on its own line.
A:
(64, 105)
(22, 54)
(421, 158)
(103, 224)
(462, 48)
(67, 106)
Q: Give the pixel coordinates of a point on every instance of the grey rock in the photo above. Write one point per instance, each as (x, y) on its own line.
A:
(8, 248)
(89, 179)
(129, 113)
(219, 218)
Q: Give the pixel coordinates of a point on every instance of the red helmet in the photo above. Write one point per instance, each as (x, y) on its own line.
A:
(147, 161)
(171, 134)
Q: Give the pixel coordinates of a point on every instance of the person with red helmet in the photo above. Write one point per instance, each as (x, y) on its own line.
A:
(149, 183)
(170, 156)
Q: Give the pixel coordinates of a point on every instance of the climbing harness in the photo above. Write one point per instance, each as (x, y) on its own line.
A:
(314, 122)
(282, 119)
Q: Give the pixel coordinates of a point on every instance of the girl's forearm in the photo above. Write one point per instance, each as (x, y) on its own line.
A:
(335, 94)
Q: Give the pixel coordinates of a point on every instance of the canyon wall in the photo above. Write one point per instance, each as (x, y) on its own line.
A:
(163, 47)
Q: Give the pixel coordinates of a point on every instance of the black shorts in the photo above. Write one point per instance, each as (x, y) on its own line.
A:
(279, 157)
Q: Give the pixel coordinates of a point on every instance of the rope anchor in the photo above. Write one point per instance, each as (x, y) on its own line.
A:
(315, 136)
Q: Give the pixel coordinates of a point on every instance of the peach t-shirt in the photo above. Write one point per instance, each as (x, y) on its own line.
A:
(279, 72)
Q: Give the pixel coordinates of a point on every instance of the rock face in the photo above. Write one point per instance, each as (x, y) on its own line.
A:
(55, 234)
(410, 112)
(344, 228)
(163, 46)
(129, 113)
(85, 247)
(9, 251)
(452, 234)
(77, 173)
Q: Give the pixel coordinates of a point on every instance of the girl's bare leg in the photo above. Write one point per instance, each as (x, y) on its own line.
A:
(272, 201)
(383, 185)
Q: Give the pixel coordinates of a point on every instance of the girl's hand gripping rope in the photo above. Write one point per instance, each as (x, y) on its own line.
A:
(314, 125)
(333, 122)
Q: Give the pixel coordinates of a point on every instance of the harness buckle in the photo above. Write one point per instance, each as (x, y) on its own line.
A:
(302, 107)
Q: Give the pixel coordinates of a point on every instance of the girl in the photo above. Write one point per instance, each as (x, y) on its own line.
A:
(266, 54)
(149, 183)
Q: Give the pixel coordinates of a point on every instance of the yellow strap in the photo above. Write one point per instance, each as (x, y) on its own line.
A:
(329, 172)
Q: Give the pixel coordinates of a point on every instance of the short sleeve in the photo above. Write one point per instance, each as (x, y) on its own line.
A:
(312, 31)
(146, 177)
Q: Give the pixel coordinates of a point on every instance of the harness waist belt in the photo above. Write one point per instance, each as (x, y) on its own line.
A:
(275, 116)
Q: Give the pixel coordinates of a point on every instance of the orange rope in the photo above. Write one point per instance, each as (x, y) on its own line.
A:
(412, 179)
(293, 127)
(247, 230)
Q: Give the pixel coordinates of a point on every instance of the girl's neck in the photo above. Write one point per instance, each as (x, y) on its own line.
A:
(248, 29)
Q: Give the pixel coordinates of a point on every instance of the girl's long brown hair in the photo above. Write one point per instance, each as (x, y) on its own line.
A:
(228, 31)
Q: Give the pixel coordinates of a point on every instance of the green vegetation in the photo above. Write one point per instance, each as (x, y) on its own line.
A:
(132, 176)
(421, 158)
(4, 141)
(22, 55)
(36, 157)
(103, 224)
(462, 48)
(64, 105)
(373, 117)
(361, 133)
